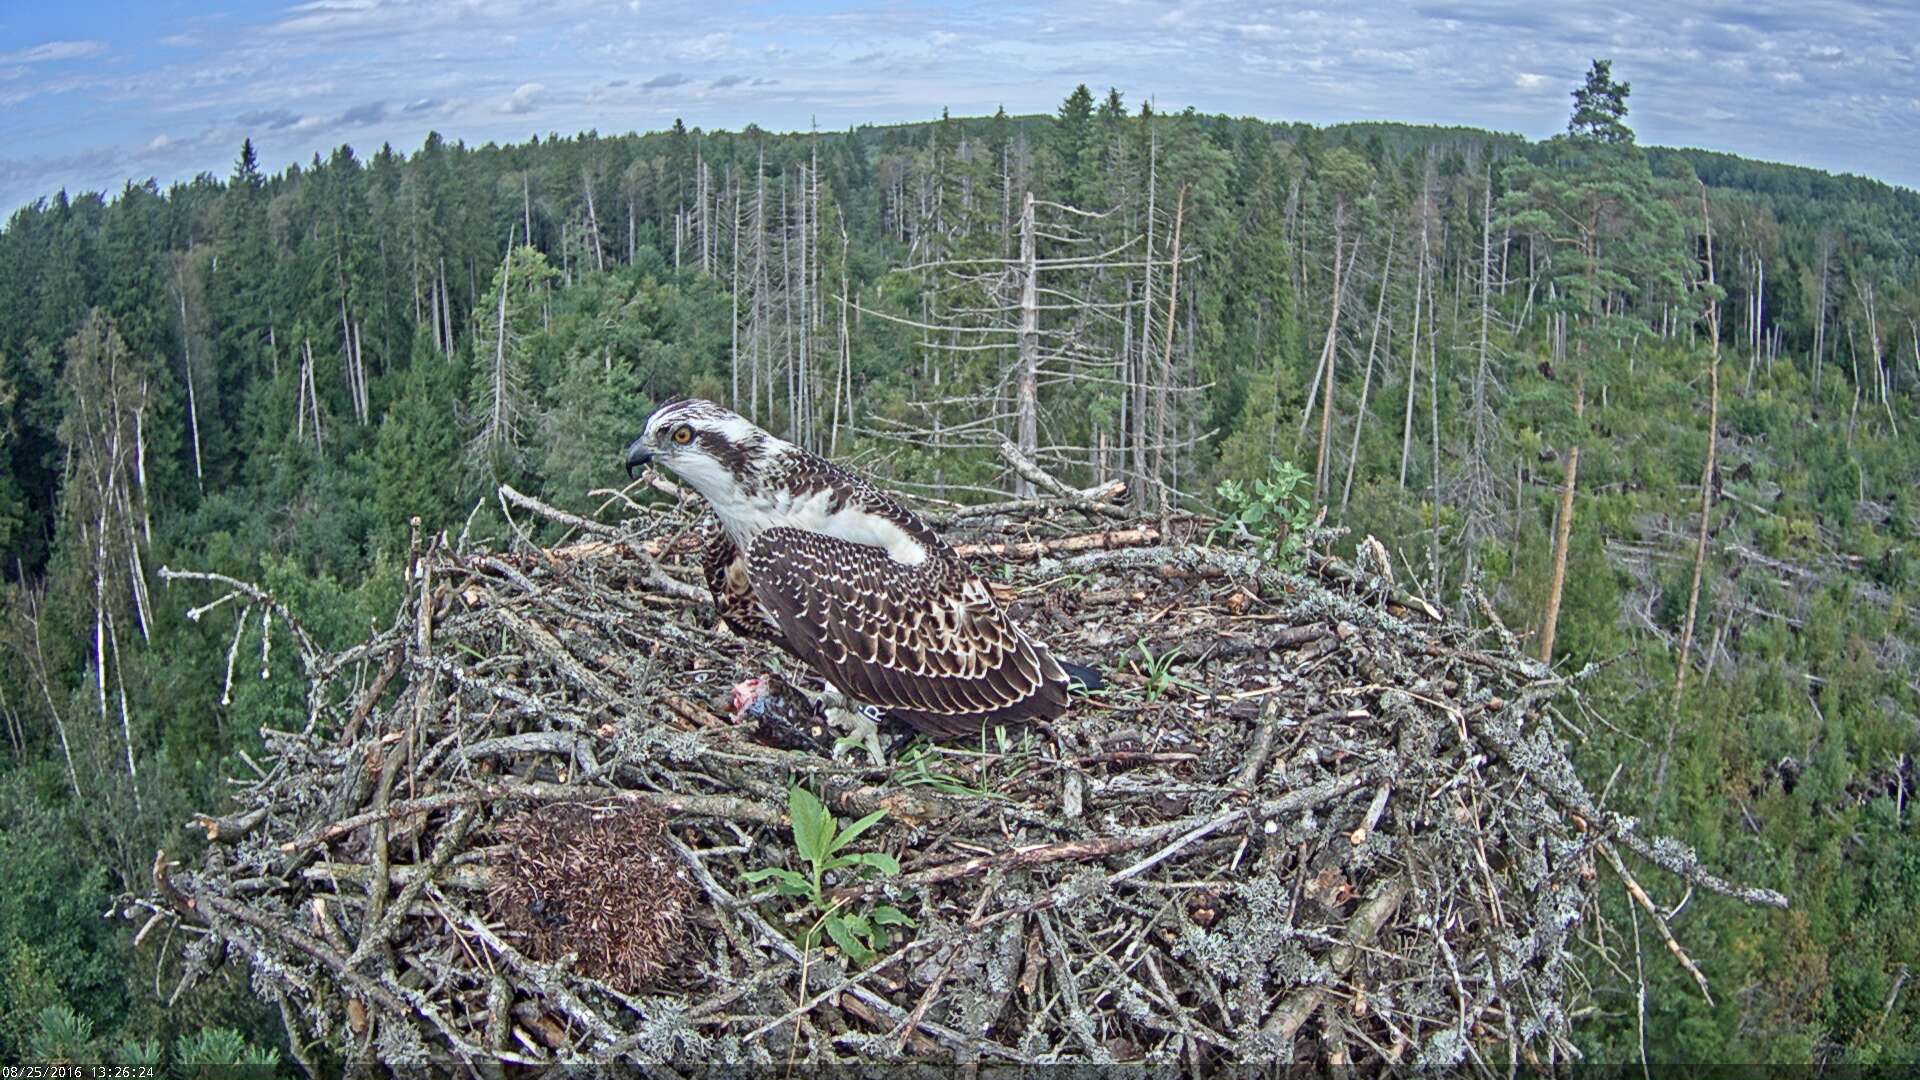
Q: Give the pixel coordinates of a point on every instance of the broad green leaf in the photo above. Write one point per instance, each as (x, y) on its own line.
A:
(790, 883)
(878, 860)
(847, 834)
(812, 824)
(888, 915)
(856, 951)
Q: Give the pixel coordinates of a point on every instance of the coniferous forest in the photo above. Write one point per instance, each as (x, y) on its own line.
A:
(1658, 407)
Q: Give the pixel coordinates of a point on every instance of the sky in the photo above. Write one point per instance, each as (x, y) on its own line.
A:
(96, 92)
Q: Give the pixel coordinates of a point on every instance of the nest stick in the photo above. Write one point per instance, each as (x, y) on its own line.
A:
(1659, 921)
(719, 806)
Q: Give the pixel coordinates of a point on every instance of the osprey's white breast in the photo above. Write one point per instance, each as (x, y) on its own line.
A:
(813, 512)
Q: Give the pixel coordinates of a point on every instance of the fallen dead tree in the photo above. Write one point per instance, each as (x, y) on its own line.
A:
(1310, 817)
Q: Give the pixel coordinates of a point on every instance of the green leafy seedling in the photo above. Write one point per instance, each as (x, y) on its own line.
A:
(919, 767)
(1272, 511)
(821, 842)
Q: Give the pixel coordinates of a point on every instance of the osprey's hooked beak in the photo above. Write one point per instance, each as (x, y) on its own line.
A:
(639, 454)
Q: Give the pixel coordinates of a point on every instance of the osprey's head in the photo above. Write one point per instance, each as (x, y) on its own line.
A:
(716, 451)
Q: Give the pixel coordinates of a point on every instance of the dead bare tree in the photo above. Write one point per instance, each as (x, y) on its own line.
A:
(1366, 380)
(1002, 331)
(307, 404)
(104, 500)
(1706, 502)
(505, 403)
(1478, 492)
(1820, 315)
(1882, 377)
(733, 300)
(181, 286)
(1329, 348)
(1563, 528)
(1413, 345)
(1165, 384)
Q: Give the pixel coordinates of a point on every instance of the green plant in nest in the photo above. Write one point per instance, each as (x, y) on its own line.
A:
(997, 765)
(1157, 669)
(821, 842)
(1273, 511)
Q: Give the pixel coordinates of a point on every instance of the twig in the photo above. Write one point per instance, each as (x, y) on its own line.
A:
(443, 853)
(1362, 928)
(309, 652)
(1659, 921)
(1040, 478)
(718, 806)
(1137, 536)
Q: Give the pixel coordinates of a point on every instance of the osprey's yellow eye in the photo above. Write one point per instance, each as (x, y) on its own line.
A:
(682, 435)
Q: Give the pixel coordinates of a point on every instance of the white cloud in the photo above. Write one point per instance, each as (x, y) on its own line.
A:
(523, 99)
(54, 50)
(306, 71)
(708, 47)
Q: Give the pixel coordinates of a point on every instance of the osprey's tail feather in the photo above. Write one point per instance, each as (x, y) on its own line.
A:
(1087, 678)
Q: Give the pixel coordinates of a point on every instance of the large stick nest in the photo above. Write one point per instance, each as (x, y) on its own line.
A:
(1311, 817)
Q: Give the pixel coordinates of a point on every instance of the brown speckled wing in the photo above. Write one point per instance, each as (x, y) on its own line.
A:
(725, 567)
(926, 643)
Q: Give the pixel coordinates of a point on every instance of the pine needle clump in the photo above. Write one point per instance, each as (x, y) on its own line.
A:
(1310, 817)
(601, 885)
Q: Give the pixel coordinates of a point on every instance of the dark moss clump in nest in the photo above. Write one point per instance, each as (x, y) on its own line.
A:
(600, 883)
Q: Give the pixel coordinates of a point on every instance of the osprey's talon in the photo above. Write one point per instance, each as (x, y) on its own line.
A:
(863, 731)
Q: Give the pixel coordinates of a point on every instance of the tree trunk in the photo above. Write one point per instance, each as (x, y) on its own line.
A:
(1162, 390)
(1027, 424)
(1433, 424)
(1820, 322)
(1137, 359)
(841, 376)
(593, 222)
(1563, 529)
(1479, 500)
(1706, 508)
(733, 353)
(1413, 356)
(193, 408)
(526, 208)
(1366, 381)
(1880, 380)
(1328, 350)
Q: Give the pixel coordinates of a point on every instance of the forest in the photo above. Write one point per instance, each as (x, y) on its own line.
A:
(1657, 407)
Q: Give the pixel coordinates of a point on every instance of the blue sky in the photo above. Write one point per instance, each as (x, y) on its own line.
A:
(94, 93)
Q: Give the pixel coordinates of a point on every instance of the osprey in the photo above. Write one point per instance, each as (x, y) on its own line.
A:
(823, 564)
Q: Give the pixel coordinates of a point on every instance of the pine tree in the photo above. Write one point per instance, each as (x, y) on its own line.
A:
(1600, 107)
